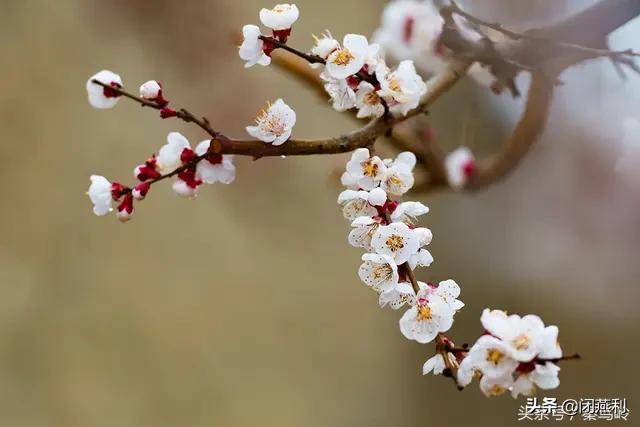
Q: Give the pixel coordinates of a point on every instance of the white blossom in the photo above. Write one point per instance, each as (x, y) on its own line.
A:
(182, 188)
(396, 240)
(379, 272)
(364, 227)
(368, 101)
(495, 386)
(365, 170)
(100, 194)
(397, 179)
(374, 57)
(150, 89)
(214, 167)
(544, 376)
(324, 45)
(356, 203)
(460, 165)
(421, 259)
(429, 316)
(491, 356)
(449, 291)
(517, 355)
(101, 97)
(274, 126)
(437, 365)
(402, 293)
(409, 211)
(410, 29)
(523, 335)
(343, 97)
(280, 17)
(169, 156)
(402, 88)
(251, 49)
(348, 59)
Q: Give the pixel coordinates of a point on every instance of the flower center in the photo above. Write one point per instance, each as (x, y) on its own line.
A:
(343, 57)
(496, 390)
(382, 272)
(280, 9)
(369, 168)
(371, 98)
(394, 180)
(394, 84)
(424, 313)
(395, 242)
(521, 342)
(494, 356)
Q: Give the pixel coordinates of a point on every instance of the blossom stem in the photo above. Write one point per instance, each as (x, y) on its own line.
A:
(443, 348)
(311, 59)
(181, 113)
(314, 59)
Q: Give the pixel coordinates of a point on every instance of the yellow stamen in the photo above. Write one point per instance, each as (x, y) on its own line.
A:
(395, 242)
(343, 57)
(521, 342)
(424, 313)
(494, 356)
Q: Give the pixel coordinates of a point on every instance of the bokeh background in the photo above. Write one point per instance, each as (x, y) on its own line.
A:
(243, 307)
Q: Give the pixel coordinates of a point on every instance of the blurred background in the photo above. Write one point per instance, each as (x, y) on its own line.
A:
(243, 307)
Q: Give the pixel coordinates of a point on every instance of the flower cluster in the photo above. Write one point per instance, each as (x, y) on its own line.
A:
(386, 229)
(190, 167)
(255, 49)
(516, 354)
(357, 76)
(355, 73)
(412, 29)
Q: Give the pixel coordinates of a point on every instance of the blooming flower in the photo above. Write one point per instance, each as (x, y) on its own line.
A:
(366, 171)
(429, 316)
(252, 48)
(544, 376)
(449, 291)
(379, 272)
(169, 156)
(421, 259)
(280, 17)
(364, 227)
(523, 335)
(396, 240)
(214, 167)
(368, 101)
(361, 203)
(342, 95)
(410, 29)
(460, 165)
(400, 294)
(409, 211)
(348, 59)
(100, 194)
(103, 97)
(274, 126)
(436, 364)
(324, 45)
(402, 88)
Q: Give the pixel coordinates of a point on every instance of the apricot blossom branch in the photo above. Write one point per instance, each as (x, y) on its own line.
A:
(516, 354)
